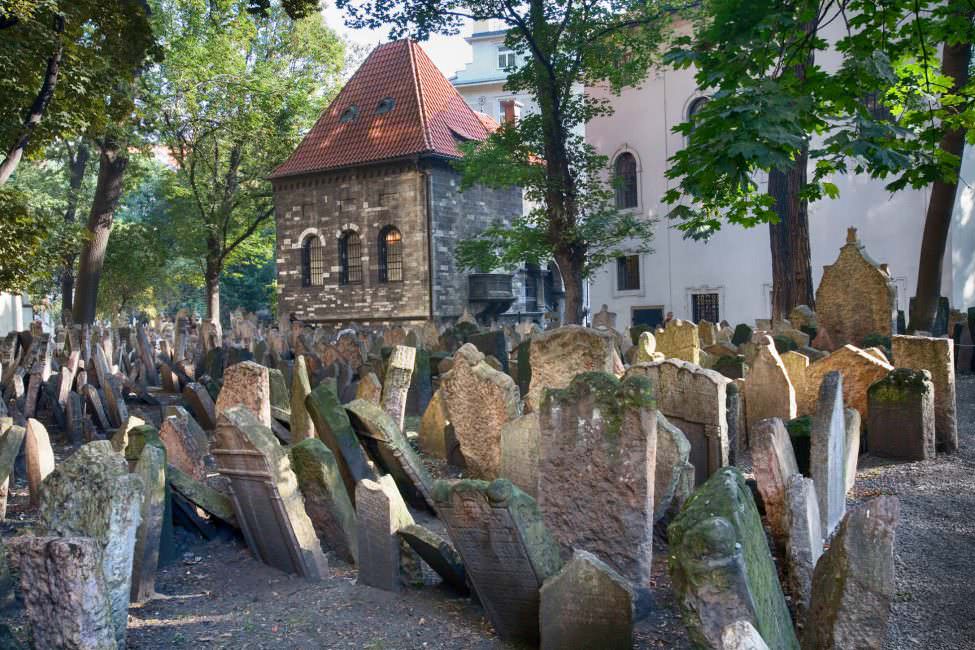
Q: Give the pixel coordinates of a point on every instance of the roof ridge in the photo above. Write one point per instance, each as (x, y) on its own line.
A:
(424, 126)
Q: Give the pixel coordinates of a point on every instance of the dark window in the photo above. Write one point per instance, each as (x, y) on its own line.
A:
(350, 258)
(704, 306)
(390, 255)
(532, 277)
(650, 316)
(385, 106)
(628, 273)
(692, 110)
(312, 262)
(624, 171)
(349, 114)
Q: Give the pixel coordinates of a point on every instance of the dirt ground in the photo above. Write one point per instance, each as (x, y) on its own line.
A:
(216, 595)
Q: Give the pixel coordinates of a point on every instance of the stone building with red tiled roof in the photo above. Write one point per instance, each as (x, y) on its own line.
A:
(369, 208)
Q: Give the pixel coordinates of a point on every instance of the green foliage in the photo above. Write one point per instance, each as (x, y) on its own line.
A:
(881, 112)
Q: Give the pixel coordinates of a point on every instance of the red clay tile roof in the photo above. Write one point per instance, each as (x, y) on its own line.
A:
(428, 116)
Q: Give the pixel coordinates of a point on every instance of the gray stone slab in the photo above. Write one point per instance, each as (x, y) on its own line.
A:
(438, 553)
(327, 502)
(381, 512)
(827, 452)
(152, 469)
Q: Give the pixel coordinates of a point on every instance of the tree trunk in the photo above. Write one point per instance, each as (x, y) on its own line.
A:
(211, 276)
(937, 222)
(37, 109)
(792, 282)
(108, 190)
(570, 267)
(76, 176)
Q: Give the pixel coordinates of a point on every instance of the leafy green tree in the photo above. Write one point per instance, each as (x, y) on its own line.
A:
(230, 101)
(566, 45)
(774, 109)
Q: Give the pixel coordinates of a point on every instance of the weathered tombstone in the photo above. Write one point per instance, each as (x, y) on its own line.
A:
(507, 551)
(93, 402)
(695, 400)
(559, 355)
(597, 450)
(774, 463)
(519, 452)
(646, 349)
(859, 371)
(795, 367)
(152, 469)
(381, 512)
(604, 319)
(301, 425)
(679, 340)
(201, 404)
(740, 635)
(246, 384)
(396, 386)
(851, 420)
(768, 391)
(721, 567)
(901, 416)
(74, 416)
(334, 429)
(10, 443)
(202, 496)
(184, 449)
(586, 605)
(936, 356)
(493, 344)
(326, 500)
(438, 554)
(93, 495)
(114, 402)
(280, 397)
(855, 297)
(65, 592)
(39, 457)
(370, 388)
(827, 452)
(265, 491)
(168, 378)
(707, 333)
(853, 585)
(804, 540)
(479, 401)
(433, 428)
(673, 476)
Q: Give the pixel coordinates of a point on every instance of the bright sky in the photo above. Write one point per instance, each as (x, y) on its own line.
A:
(450, 53)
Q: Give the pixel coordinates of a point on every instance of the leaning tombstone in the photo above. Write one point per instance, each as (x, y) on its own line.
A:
(519, 452)
(396, 386)
(327, 503)
(774, 464)
(937, 356)
(279, 397)
(586, 605)
(38, 456)
(560, 354)
(10, 443)
(265, 492)
(246, 384)
(853, 585)
(597, 451)
(740, 635)
(827, 452)
(901, 416)
(851, 422)
(768, 391)
(381, 512)
(433, 427)
(804, 540)
(65, 592)
(438, 554)
(93, 495)
(152, 469)
(506, 549)
(301, 424)
(201, 404)
(673, 475)
(333, 427)
(721, 568)
(184, 449)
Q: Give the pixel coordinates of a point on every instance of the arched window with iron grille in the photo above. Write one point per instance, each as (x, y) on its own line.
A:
(624, 170)
(312, 262)
(390, 255)
(350, 258)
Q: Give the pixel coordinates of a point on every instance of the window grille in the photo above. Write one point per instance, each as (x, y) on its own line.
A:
(350, 258)
(390, 255)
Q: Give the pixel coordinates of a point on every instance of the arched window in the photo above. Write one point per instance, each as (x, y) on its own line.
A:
(312, 262)
(390, 255)
(624, 172)
(350, 258)
(692, 110)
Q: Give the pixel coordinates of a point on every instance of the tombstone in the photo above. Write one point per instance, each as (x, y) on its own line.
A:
(433, 428)
(370, 389)
(334, 429)
(92, 494)
(279, 396)
(604, 319)
(114, 401)
(214, 503)
(10, 443)
(597, 450)
(721, 568)
(796, 364)
(859, 371)
(184, 448)
(381, 512)
(301, 425)
(695, 401)
(266, 498)
(586, 605)
(493, 344)
(679, 340)
(327, 502)
(827, 452)
(38, 456)
(804, 540)
(479, 401)
(646, 349)
(391, 449)
(851, 422)
(856, 297)
(901, 416)
(965, 354)
(152, 469)
(519, 452)
(506, 549)
(438, 554)
(853, 585)
(33, 393)
(740, 635)
(768, 391)
(93, 403)
(939, 327)
(774, 464)
(246, 384)
(673, 476)
(556, 356)
(936, 356)
(168, 378)
(396, 386)
(65, 592)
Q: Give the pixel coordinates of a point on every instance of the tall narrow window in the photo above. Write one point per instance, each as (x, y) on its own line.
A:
(390, 255)
(312, 262)
(624, 171)
(704, 306)
(692, 110)
(628, 273)
(506, 59)
(350, 258)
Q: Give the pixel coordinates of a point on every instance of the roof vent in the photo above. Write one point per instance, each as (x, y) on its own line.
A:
(349, 114)
(385, 106)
